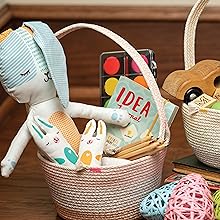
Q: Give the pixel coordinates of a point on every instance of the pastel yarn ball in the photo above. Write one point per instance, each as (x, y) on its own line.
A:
(154, 204)
(190, 200)
(216, 200)
(216, 106)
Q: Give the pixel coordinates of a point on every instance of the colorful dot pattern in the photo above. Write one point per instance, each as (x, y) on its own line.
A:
(119, 63)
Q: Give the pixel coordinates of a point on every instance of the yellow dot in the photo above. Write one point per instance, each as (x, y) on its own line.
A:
(110, 85)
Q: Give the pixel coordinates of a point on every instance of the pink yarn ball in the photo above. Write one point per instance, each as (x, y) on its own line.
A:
(190, 200)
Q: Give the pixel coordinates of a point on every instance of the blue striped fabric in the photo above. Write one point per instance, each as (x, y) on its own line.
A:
(20, 58)
(54, 56)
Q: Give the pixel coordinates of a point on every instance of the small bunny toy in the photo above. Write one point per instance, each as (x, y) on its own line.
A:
(51, 142)
(33, 71)
(91, 145)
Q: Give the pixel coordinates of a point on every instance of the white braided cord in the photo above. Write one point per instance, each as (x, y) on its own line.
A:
(190, 33)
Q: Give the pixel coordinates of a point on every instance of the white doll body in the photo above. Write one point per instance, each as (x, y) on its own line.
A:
(46, 110)
(38, 80)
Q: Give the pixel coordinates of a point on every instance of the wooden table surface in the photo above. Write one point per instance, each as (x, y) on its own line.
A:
(25, 195)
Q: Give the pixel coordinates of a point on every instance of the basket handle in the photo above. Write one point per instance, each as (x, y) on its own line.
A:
(164, 134)
(190, 33)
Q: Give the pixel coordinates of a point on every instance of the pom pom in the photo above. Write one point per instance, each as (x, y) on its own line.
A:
(216, 200)
(154, 204)
(190, 200)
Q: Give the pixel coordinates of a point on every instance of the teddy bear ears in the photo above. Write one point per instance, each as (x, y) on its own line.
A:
(54, 55)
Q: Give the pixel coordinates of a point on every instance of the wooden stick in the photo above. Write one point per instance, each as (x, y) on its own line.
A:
(142, 146)
(152, 124)
(133, 148)
(134, 144)
(138, 144)
(158, 148)
(147, 148)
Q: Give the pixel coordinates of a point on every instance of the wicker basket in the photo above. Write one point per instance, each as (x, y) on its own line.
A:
(202, 128)
(108, 192)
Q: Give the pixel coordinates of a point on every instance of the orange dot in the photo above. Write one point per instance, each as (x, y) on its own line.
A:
(98, 157)
(140, 80)
(86, 157)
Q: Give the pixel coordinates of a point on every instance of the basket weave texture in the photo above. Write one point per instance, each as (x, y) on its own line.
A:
(203, 134)
(202, 128)
(109, 193)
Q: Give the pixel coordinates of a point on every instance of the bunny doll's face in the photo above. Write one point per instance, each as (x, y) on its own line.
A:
(23, 69)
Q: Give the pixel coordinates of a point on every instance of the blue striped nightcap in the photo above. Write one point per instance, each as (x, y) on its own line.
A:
(20, 59)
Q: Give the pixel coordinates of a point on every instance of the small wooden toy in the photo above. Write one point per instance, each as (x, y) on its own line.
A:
(188, 84)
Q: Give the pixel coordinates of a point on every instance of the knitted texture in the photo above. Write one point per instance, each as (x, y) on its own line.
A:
(154, 204)
(68, 128)
(216, 200)
(190, 200)
(190, 33)
(203, 134)
(202, 128)
(112, 192)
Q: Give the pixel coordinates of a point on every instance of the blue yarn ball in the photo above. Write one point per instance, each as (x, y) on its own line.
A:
(154, 204)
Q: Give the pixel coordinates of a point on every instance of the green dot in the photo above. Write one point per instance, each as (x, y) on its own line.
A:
(70, 155)
(216, 106)
(106, 103)
(59, 160)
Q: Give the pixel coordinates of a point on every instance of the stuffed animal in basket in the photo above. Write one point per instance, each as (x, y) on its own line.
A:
(33, 71)
(91, 145)
(51, 143)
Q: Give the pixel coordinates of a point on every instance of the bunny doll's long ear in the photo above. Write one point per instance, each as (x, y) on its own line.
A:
(54, 56)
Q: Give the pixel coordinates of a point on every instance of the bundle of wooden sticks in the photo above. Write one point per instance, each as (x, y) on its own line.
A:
(141, 148)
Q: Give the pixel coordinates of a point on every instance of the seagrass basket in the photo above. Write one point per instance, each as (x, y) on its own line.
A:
(202, 128)
(112, 192)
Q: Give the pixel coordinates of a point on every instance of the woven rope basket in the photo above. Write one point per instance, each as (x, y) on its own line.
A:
(112, 192)
(202, 128)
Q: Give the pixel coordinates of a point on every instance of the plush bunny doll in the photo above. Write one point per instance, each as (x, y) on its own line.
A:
(33, 71)
(51, 142)
(91, 145)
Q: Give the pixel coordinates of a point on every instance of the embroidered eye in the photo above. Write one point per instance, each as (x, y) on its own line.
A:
(89, 141)
(25, 74)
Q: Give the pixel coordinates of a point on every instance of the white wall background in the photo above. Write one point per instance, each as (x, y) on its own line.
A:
(112, 2)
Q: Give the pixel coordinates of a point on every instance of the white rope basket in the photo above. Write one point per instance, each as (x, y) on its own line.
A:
(202, 128)
(113, 192)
